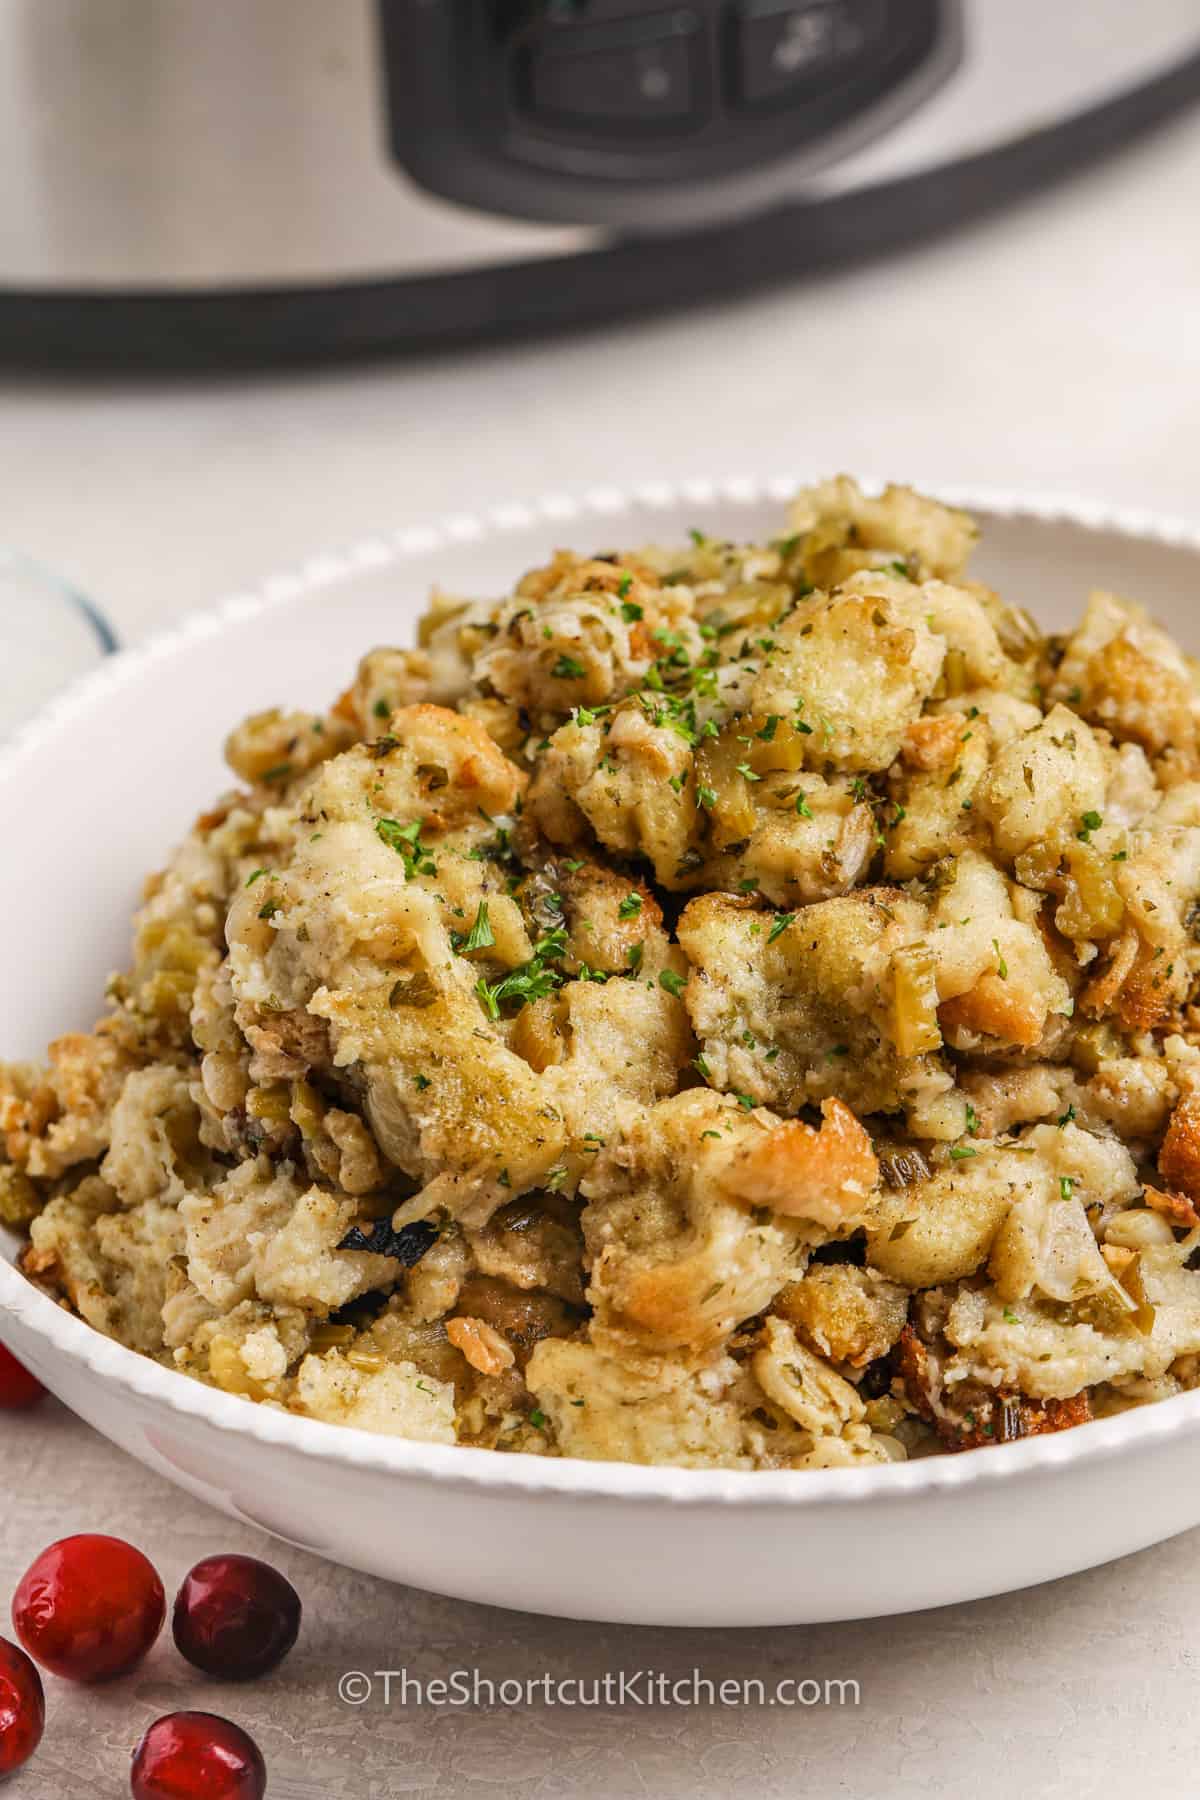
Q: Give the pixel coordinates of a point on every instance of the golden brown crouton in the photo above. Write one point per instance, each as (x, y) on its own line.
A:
(1179, 1158)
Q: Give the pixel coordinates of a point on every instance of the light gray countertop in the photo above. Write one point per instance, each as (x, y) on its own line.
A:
(1055, 348)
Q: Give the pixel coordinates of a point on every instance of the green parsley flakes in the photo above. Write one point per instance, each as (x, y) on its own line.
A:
(531, 981)
(480, 936)
(405, 840)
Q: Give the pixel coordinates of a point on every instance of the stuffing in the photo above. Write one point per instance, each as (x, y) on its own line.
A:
(55, 1119)
(581, 633)
(931, 816)
(386, 680)
(300, 1262)
(1056, 1352)
(1042, 782)
(841, 529)
(603, 1410)
(794, 1009)
(486, 1349)
(396, 1400)
(628, 781)
(110, 1264)
(857, 669)
(1179, 1157)
(533, 1244)
(941, 1228)
(152, 1128)
(847, 1314)
(997, 983)
(1124, 675)
(827, 1175)
(732, 1005)
(680, 1247)
(804, 1386)
(276, 748)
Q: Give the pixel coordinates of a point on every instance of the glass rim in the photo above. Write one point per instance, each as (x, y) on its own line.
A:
(104, 634)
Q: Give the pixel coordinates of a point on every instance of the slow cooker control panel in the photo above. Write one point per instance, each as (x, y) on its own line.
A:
(575, 71)
(599, 111)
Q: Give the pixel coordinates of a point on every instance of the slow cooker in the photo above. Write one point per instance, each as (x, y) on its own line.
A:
(195, 179)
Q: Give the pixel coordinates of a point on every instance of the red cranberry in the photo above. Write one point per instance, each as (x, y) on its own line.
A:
(89, 1608)
(197, 1756)
(18, 1388)
(22, 1708)
(235, 1617)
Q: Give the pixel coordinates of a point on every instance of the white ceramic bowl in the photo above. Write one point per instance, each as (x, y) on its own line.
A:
(91, 796)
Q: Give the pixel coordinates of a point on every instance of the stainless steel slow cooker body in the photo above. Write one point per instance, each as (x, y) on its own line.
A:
(184, 178)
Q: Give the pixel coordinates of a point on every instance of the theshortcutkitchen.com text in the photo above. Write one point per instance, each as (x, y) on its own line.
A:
(615, 1687)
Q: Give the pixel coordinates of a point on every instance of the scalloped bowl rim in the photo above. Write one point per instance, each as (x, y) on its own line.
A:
(521, 1472)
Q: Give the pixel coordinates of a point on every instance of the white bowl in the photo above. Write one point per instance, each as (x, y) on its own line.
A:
(91, 796)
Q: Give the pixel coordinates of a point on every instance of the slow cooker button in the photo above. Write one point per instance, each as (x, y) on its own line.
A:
(618, 84)
(783, 50)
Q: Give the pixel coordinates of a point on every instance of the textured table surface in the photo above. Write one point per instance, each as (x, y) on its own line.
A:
(1053, 348)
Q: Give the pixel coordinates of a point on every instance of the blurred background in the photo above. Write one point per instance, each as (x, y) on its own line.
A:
(277, 276)
(280, 274)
